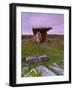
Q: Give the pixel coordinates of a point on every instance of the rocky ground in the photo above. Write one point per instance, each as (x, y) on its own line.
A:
(47, 59)
(41, 70)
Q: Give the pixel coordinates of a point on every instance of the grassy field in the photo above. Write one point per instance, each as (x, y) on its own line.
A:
(54, 49)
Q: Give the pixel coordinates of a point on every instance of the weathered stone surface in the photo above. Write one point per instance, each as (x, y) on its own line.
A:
(36, 59)
(58, 69)
(43, 58)
(45, 71)
(32, 59)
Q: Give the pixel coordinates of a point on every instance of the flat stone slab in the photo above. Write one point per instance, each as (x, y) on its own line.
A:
(58, 69)
(45, 71)
(36, 59)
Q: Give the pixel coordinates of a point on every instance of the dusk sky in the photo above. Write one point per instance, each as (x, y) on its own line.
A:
(29, 20)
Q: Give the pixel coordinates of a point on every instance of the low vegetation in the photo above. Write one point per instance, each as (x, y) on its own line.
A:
(54, 49)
